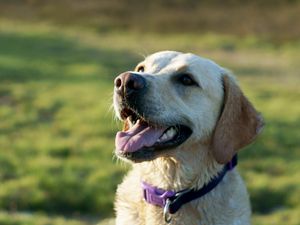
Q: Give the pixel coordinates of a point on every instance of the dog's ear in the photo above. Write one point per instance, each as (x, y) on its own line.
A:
(238, 124)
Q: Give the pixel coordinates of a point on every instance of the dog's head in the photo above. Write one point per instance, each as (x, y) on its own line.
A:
(174, 99)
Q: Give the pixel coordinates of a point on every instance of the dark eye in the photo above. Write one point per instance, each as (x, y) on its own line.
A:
(141, 69)
(186, 80)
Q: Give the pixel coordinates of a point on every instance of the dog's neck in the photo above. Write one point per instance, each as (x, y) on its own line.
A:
(191, 169)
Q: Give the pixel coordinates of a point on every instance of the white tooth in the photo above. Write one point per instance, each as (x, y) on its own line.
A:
(164, 137)
(168, 135)
(171, 133)
(129, 121)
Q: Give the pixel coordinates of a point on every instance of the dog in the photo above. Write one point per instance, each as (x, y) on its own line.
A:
(185, 118)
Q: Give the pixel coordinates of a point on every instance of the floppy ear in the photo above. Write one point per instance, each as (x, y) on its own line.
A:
(238, 124)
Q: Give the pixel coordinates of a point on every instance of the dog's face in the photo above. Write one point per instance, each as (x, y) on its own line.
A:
(174, 99)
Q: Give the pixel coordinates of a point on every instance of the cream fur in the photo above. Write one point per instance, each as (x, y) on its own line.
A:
(192, 164)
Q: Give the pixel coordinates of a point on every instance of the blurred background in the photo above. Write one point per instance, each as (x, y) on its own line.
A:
(58, 60)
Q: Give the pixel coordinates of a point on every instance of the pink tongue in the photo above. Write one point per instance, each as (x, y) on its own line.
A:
(138, 136)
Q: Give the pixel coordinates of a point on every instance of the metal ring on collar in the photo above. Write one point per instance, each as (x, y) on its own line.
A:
(167, 215)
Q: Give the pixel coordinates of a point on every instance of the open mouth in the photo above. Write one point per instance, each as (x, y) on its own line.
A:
(143, 140)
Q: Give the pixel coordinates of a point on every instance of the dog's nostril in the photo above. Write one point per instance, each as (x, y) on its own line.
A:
(135, 82)
(118, 82)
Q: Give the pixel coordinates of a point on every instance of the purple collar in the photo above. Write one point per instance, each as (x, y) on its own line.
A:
(156, 196)
(171, 201)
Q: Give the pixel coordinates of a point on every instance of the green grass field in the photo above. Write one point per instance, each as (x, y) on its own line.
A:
(57, 129)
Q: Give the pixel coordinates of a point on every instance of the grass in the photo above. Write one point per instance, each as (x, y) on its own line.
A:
(57, 132)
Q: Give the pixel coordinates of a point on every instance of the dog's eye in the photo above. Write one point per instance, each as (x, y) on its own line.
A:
(141, 69)
(186, 80)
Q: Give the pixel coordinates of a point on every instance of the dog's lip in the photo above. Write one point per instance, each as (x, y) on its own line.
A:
(154, 151)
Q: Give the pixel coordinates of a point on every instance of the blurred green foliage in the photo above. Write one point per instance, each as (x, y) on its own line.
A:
(273, 20)
(57, 132)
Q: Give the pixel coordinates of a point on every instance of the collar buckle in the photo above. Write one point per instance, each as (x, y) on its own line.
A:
(156, 196)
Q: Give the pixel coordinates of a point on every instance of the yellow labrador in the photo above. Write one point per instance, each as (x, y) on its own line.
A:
(185, 118)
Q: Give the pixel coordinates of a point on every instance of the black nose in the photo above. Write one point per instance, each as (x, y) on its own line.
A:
(128, 83)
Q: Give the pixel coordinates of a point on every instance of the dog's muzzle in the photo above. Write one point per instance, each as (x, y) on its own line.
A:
(142, 138)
